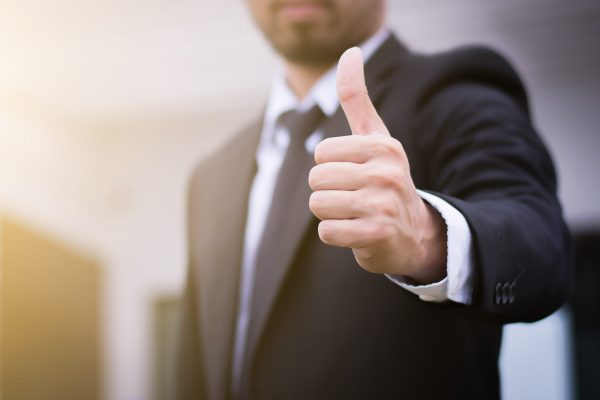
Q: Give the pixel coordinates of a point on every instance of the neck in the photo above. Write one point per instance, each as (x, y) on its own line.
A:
(301, 78)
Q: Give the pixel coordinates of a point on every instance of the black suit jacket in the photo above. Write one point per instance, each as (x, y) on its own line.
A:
(330, 330)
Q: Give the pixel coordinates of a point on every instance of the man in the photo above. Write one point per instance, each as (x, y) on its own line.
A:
(396, 292)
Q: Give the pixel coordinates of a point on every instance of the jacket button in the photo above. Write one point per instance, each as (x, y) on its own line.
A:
(512, 292)
(498, 294)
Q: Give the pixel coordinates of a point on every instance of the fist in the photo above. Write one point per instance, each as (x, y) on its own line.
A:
(364, 195)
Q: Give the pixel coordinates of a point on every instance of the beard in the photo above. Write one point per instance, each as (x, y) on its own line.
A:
(314, 42)
(303, 46)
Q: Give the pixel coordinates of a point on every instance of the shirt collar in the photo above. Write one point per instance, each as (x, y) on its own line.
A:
(323, 93)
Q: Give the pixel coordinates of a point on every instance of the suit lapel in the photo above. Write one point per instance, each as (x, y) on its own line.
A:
(223, 196)
(300, 217)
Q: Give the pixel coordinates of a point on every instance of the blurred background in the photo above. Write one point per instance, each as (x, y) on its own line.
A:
(106, 106)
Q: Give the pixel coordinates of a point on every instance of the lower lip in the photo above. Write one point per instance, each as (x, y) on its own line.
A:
(301, 11)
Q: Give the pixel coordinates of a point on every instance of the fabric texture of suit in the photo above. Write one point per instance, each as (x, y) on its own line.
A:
(330, 330)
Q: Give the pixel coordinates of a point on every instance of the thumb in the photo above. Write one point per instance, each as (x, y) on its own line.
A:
(352, 92)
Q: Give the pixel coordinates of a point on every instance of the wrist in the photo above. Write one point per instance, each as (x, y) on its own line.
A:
(432, 245)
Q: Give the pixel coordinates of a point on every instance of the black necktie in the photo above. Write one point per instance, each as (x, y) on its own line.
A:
(292, 175)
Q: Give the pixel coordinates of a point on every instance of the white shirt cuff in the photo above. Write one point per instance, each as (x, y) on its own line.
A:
(457, 286)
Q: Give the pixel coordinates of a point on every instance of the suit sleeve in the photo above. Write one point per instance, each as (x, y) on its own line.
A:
(482, 155)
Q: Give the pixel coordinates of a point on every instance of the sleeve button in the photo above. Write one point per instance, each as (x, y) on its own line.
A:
(505, 293)
(512, 292)
(498, 294)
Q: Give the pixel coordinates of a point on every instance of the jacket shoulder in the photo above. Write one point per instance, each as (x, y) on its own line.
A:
(478, 65)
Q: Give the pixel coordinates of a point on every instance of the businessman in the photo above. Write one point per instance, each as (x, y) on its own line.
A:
(371, 233)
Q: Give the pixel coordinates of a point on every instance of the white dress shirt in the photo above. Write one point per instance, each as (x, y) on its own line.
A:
(270, 154)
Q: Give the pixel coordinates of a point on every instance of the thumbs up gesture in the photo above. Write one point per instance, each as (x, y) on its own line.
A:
(364, 194)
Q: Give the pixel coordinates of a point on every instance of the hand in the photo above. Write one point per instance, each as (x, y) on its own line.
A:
(364, 194)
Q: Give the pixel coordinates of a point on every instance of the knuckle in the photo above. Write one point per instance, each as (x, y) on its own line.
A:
(382, 205)
(386, 233)
(370, 205)
(395, 178)
(388, 208)
(347, 92)
(388, 177)
(396, 148)
(375, 145)
(379, 233)
(387, 146)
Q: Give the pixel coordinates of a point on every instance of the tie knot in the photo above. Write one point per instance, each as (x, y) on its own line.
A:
(301, 125)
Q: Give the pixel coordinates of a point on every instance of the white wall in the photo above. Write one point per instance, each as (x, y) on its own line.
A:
(106, 106)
